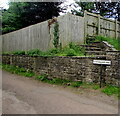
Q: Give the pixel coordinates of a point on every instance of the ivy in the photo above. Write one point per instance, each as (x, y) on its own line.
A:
(56, 35)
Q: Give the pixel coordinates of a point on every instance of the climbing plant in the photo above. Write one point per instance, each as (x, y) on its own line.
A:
(56, 35)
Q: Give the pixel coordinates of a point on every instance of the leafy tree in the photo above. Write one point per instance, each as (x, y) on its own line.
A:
(88, 6)
(22, 14)
(106, 9)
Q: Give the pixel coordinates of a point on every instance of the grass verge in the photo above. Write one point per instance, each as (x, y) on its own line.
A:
(17, 70)
(109, 90)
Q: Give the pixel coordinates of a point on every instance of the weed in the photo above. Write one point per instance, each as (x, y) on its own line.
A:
(96, 87)
(18, 70)
(76, 84)
(19, 53)
(110, 90)
(59, 81)
(34, 52)
(42, 77)
(113, 41)
(70, 50)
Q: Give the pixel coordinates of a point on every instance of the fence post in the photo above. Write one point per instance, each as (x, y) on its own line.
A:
(85, 26)
(98, 25)
(116, 29)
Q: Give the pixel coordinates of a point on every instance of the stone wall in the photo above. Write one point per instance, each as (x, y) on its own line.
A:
(73, 68)
(113, 71)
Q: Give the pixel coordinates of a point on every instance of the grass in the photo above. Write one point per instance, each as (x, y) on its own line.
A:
(71, 50)
(113, 41)
(108, 89)
(111, 90)
(17, 70)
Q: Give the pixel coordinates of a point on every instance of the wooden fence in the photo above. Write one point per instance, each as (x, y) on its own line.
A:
(98, 25)
(71, 29)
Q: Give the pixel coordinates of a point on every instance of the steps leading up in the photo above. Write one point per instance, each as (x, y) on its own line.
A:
(95, 49)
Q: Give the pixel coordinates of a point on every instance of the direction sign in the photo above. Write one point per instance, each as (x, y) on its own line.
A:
(103, 62)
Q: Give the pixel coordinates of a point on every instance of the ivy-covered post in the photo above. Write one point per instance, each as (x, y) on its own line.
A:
(56, 35)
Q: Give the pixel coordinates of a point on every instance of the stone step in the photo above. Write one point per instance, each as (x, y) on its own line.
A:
(92, 49)
(96, 43)
(95, 53)
(88, 45)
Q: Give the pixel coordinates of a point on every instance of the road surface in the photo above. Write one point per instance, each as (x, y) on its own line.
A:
(28, 96)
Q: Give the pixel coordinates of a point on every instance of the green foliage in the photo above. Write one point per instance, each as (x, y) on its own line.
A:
(76, 84)
(17, 70)
(6, 53)
(70, 50)
(106, 9)
(113, 41)
(34, 52)
(23, 14)
(89, 6)
(19, 53)
(95, 87)
(58, 81)
(42, 77)
(111, 90)
(56, 35)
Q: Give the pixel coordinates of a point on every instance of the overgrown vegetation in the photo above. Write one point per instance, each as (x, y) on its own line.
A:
(108, 89)
(17, 70)
(56, 35)
(113, 41)
(70, 50)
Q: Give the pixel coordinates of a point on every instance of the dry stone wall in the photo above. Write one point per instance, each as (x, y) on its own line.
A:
(73, 68)
(113, 71)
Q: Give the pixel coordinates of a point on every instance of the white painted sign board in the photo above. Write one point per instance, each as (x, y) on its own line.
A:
(104, 62)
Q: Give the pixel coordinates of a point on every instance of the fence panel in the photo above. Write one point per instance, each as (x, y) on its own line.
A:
(71, 29)
(98, 25)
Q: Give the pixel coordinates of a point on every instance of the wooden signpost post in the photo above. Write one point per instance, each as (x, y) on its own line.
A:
(101, 63)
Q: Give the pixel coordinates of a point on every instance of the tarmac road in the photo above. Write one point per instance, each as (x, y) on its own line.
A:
(27, 96)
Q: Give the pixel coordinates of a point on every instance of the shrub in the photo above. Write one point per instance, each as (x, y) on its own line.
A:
(70, 52)
(19, 53)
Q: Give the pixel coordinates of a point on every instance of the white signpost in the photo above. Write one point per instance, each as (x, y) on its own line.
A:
(101, 63)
